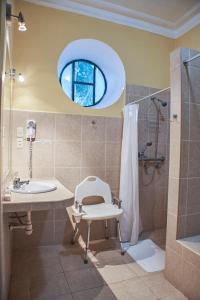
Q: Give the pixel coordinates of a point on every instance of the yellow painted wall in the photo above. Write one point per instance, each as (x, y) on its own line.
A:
(145, 56)
(191, 39)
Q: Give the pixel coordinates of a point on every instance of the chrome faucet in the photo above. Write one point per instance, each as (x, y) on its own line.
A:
(17, 183)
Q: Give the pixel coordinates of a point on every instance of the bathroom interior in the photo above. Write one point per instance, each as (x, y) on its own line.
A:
(100, 147)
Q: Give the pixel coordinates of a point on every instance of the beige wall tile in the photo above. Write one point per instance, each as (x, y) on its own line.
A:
(113, 177)
(43, 155)
(69, 177)
(93, 154)
(113, 154)
(43, 172)
(68, 127)
(192, 224)
(67, 154)
(172, 233)
(113, 129)
(93, 171)
(194, 73)
(93, 129)
(191, 257)
(173, 195)
(193, 205)
(194, 162)
(174, 268)
(190, 287)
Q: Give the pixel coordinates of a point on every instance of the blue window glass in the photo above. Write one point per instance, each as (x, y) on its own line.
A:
(84, 82)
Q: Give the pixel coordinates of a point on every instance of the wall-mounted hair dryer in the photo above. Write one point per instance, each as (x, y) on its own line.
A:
(31, 130)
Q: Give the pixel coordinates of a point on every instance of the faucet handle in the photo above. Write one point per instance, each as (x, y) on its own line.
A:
(16, 180)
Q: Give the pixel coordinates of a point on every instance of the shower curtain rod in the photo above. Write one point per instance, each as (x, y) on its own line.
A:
(191, 59)
(146, 97)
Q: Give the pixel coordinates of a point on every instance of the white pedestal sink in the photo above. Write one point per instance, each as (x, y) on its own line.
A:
(34, 187)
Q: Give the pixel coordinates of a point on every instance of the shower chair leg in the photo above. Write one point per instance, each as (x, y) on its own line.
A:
(73, 240)
(87, 243)
(106, 230)
(119, 236)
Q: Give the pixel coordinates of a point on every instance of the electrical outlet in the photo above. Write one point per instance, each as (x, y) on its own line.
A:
(20, 132)
(20, 142)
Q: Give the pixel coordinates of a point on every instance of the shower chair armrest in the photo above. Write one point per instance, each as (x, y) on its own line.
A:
(116, 201)
(76, 215)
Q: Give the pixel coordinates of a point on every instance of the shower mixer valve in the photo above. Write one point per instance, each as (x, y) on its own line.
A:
(142, 153)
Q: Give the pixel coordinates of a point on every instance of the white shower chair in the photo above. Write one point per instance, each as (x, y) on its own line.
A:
(93, 201)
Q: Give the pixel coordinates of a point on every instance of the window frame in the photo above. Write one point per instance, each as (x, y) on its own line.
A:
(74, 82)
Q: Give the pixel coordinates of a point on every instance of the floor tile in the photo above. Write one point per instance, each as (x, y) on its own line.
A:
(84, 279)
(72, 260)
(101, 293)
(116, 273)
(175, 296)
(19, 290)
(132, 289)
(60, 297)
(51, 288)
(59, 273)
(159, 285)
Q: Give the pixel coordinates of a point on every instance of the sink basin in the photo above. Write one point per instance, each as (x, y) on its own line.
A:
(34, 187)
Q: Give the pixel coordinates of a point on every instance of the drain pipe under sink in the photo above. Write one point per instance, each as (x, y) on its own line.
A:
(27, 225)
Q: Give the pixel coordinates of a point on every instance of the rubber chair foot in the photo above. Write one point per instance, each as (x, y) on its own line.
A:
(85, 261)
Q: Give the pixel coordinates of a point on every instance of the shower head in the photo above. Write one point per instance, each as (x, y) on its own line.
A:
(141, 154)
(148, 144)
(163, 103)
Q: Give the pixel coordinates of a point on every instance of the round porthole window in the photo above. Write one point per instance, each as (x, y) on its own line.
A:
(91, 73)
(84, 82)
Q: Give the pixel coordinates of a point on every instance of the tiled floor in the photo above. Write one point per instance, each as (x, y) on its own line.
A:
(58, 273)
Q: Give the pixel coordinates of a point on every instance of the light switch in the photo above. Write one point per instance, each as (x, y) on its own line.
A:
(20, 132)
(20, 142)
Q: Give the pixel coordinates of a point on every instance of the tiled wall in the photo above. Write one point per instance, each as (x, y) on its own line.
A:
(153, 182)
(68, 147)
(189, 205)
(71, 147)
(182, 264)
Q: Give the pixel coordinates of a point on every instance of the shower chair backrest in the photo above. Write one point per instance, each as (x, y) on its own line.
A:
(93, 186)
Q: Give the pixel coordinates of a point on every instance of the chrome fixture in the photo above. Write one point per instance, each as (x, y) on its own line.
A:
(17, 183)
(13, 74)
(191, 59)
(31, 135)
(163, 103)
(141, 154)
(20, 223)
(20, 18)
(148, 97)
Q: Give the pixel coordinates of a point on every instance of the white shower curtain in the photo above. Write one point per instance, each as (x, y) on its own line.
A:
(129, 186)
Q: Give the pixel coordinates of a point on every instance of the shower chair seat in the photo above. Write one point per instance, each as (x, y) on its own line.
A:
(94, 201)
(101, 211)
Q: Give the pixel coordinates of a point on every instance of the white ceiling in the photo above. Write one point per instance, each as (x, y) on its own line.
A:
(170, 18)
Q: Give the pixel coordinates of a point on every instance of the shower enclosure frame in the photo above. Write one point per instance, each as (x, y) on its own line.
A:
(2, 52)
(181, 261)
